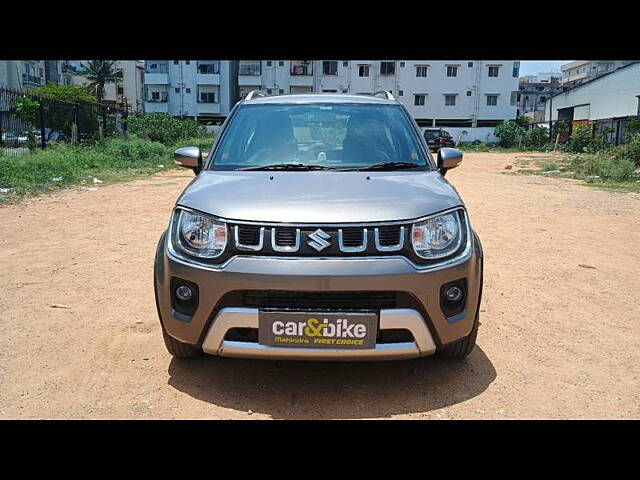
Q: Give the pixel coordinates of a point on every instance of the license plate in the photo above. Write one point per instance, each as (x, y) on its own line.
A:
(345, 330)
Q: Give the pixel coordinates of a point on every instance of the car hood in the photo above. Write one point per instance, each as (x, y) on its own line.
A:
(319, 197)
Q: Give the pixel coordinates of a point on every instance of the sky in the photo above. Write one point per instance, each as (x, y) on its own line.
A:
(531, 67)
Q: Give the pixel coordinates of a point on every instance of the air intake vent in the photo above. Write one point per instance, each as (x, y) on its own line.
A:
(352, 237)
(249, 235)
(285, 237)
(389, 236)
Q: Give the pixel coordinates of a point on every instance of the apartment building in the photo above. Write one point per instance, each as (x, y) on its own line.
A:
(534, 91)
(580, 71)
(202, 89)
(469, 96)
(127, 93)
(22, 74)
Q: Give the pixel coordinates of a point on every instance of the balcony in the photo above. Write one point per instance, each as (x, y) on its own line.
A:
(253, 69)
(162, 98)
(32, 80)
(156, 79)
(208, 108)
(208, 79)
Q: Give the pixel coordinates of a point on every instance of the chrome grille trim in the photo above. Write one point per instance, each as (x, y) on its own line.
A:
(360, 248)
(253, 248)
(278, 248)
(389, 248)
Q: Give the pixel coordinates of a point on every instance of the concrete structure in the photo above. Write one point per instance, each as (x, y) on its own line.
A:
(606, 101)
(22, 74)
(462, 95)
(202, 89)
(129, 92)
(575, 73)
(534, 91)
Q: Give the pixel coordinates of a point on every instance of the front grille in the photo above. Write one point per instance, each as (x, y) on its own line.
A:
(285, 237)
(389, 236)
(248, 235)
(352, 237)
(318, 300)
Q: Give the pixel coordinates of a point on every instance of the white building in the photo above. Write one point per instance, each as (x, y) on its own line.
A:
(22, 74)
(574, 73)
(606, 101)
(203, 89)
(129, 92)
(461, 95)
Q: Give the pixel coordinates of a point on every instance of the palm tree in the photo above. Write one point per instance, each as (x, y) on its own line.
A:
(99, 73)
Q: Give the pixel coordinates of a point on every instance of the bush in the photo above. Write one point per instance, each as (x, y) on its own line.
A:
(630, 150)
(581, 138)
(536, 138)
(508, 132)
(163, 128)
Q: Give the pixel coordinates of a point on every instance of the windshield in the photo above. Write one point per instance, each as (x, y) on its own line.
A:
(324, 136)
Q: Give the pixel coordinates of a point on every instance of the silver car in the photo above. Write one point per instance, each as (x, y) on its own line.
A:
(319, 227)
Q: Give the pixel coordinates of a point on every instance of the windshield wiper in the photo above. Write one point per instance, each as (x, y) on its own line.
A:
(385, 166)
(289, 166)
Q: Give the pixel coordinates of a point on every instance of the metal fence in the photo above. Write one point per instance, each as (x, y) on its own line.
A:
(41, 121)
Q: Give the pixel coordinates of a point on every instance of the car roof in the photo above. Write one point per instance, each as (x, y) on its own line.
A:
(320, 98)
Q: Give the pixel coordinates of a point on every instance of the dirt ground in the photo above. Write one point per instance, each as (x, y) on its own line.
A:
(559, 335)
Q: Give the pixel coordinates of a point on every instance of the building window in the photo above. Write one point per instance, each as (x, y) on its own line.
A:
(470, 64)
(363, 70)
(208, 67)
(345, 91)
(120, 90)
(401, 64)
(400, 93)
(330, 91)
(493, 71)
(269, 91)
(452, 71)
(250, 67)
(419, 100)
(329, 67)
(516, 69)
(543, 99)
(187, 62)
(176, 62)
(188, 90)
(268, 63)
(469, 92)
(281, 91)
(177, 90)
(421, 70)
(492, 100)
(450, 100)
(345, 64)
(301, 67)
(280, 63)
(387, 68)
(207, 97)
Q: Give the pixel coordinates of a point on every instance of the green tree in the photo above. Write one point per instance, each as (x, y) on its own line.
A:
(99, 73)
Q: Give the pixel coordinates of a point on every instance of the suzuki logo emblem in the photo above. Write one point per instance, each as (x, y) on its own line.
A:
(318, 240)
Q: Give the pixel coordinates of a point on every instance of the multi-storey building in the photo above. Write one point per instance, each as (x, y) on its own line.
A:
(575, 73)
(202, 89)
(470, 96)
(534, 92)
(22, 74)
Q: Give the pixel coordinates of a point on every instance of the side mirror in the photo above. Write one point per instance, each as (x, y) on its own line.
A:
(448, 158)
(189, 157)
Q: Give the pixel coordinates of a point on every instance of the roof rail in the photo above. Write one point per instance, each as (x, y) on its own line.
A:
(255, 93)
(384, 94)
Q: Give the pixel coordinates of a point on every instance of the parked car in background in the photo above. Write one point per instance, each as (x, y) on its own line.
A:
(437, 138)
(9, 139)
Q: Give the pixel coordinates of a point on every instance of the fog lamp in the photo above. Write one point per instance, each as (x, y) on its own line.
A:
(453, 294)
(184, 293)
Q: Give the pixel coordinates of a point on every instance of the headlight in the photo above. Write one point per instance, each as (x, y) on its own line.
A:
(198, 234)
(439, 236)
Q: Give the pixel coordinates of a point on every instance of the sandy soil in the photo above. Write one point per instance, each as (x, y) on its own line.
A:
(560, 333)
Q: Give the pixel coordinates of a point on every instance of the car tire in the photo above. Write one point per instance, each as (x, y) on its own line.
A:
(463, 347)
(179, 349)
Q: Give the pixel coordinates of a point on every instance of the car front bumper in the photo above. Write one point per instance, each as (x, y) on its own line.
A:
(208, 325)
